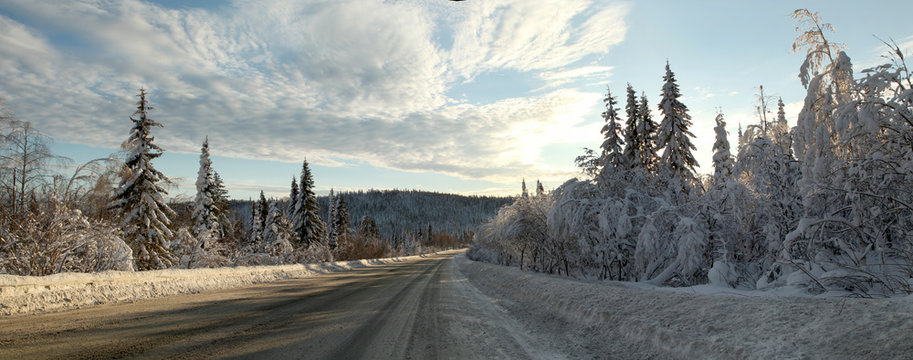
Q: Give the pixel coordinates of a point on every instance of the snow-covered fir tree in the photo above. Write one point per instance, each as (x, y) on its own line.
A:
(540, 190)
(631, 136)
(342, 217)
(332, 234)
(673, 136)
(140, 198)
(258, 216)
(204, 216)
(722, 157)
(524, 193)
(292, 199)
(646, 133)
(277, 234)
(220, 200)
(612, 153)
(308, 226)
(780, 131)
(367, 228)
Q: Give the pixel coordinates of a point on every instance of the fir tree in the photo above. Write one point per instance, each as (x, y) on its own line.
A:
(205, 221)
(220, 198)
(646, 132)
(722, 158)
(781, 112)
(612, 155)
(525, 193)
(140, 197)
(332, 234)
(342, 217)
(256, 227)
(263, 210)
(674, 136)
(292, 198)
(631, 136)
(276, 233)
(367, 228)
(539, 189)
(308, 226)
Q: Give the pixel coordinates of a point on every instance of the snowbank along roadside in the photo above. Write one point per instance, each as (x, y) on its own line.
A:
(624, 320)
(36, 294)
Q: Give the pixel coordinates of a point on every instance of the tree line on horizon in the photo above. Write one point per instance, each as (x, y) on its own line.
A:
(826, 205)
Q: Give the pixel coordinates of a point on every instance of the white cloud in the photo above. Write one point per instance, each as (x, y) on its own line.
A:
(329, 80)
(533, 35)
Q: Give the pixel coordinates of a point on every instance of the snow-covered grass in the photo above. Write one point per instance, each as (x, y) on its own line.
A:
(627, 320)
(34, 294)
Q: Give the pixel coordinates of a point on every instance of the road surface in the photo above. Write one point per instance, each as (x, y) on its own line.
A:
(423, 309)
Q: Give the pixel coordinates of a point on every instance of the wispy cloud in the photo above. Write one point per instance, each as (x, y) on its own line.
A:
(330, 80)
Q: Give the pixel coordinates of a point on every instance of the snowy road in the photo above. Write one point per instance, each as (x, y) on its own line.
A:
(420, 309)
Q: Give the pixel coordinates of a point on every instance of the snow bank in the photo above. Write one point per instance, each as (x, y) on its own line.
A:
(34, 294)
(696, 325)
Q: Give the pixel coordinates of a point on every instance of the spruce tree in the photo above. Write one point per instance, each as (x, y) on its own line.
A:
(367, 228)
(342, 217)
(540, 190)
(781, 112)
(631, 136)
(256, 227)
(332, 234)
(612, 155)
(140, 198)
(722, 157)
(276, 233)
(263, 210)
(525, 193)
(292, 199)
(220, 198)
(646, 133)
(674, 136)
(308, 226)
(205, 221)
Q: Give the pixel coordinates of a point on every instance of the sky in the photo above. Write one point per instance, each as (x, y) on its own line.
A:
(465, 97)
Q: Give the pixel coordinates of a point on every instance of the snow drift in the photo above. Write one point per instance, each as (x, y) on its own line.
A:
(623, 320)
(34, 294)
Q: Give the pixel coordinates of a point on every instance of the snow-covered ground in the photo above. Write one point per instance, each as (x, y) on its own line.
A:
(623, 320)
(34, 294)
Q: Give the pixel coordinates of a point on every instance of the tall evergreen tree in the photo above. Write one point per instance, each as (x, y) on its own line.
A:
(308, 226)
(205, 221)
(646, 133)
(332, 234)
(342, 217)
(276, 232)
(256, 226)
(367, 228)
(674, 136)
(781, 111)
(140, 197)
(220, 197)
(631, 136)
(722, 157)
(292, 199)
(263, 210)
(539, 189)
(611, 145)
(525, 193)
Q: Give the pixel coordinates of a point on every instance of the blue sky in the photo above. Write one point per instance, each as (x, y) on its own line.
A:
(466, 97)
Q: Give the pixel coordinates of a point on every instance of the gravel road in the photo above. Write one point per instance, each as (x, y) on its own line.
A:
(422, 309)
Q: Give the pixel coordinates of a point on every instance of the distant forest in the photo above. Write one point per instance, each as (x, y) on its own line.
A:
(409, 211)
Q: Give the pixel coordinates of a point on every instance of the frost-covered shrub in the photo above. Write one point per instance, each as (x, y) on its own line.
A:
(192, 252)
(55, 238)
